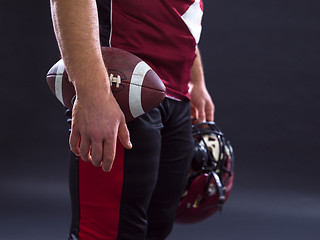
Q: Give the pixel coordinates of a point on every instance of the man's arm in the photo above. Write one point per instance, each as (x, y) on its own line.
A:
(97, 119)
(202, 107)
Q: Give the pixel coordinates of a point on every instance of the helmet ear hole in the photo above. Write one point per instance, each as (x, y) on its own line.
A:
(200, 156)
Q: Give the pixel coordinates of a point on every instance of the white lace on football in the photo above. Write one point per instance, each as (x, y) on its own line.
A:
(115, 79)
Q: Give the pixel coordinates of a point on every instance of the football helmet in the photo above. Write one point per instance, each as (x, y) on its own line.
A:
(210, 178)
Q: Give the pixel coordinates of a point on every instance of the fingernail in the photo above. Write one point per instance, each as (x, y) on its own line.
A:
(130, 144)
(106, 169)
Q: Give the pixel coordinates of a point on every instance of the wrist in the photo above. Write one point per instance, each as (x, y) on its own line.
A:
(197, 84)
(92, 87)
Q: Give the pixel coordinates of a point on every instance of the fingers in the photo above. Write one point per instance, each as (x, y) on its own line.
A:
(210, 113)
(74, 142)
(124, 136)
(110, 145)
(198, 112)
(99, 146)
(201, 114)
(109, 152)
(96, 153)
(100, 153)
(85, 149)
(194, 114)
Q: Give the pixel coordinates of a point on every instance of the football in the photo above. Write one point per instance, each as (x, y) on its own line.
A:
(135, 86)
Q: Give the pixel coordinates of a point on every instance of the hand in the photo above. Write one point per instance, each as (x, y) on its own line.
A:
(97, 119)
(96, 123)
(202, 107)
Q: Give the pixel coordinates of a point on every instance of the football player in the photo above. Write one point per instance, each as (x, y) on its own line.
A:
(126, 180)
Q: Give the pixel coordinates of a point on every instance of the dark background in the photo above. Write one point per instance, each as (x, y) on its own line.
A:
(261, 61)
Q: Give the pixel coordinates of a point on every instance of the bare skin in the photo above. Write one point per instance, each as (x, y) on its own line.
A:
(202, 107)
(97, 120)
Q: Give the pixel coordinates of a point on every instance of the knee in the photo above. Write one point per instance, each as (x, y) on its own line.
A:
(160, 224)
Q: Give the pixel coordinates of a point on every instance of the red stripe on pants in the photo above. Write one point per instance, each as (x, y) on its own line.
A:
(100, 197)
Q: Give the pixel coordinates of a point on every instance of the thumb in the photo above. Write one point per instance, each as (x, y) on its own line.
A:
(124, 136)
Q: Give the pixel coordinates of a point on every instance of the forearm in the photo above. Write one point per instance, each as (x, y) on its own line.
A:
(202, 107)
(197, 75)
(77, 32)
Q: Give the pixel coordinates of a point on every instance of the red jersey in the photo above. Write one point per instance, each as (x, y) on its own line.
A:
(163, 33)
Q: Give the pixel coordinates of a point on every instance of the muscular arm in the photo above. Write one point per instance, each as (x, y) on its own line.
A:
(97, 119)
(202, 107)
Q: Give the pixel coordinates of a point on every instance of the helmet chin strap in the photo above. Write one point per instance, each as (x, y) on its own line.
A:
(211, 187)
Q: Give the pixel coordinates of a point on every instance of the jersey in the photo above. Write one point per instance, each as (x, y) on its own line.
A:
(163, 33)
(138, 198)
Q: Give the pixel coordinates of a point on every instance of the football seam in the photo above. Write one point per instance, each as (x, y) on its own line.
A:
(52, 75)
(146, 87)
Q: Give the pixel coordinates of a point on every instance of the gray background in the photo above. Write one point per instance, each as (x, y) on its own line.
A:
(261, 61)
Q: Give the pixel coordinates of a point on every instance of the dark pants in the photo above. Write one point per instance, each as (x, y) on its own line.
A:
(139, 197)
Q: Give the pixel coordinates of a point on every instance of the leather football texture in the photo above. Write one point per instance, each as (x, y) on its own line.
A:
(135, 86)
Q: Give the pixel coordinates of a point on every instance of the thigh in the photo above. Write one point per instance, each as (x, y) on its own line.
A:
(114, 205)
(140, 174)
(95, 197)
(176, 155)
